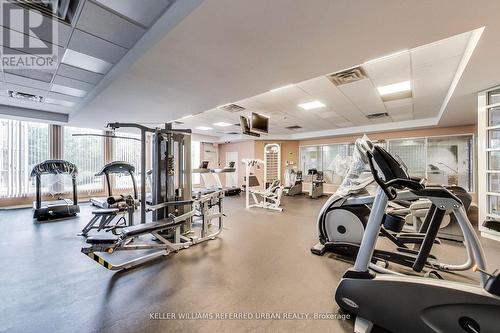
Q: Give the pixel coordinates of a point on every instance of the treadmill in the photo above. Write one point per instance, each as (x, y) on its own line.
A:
(203, 170)
(60, 208)
(116, 167)
(228, 190)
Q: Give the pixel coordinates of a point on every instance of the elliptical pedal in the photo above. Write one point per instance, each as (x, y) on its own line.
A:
(362, 325)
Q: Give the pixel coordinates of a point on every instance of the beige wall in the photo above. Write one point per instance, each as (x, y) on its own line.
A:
(244, 149)
(289, 152)
(255, 149)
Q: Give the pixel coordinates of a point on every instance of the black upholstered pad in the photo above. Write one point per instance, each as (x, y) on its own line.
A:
(105, 211)
(147, 227)
(101, 239)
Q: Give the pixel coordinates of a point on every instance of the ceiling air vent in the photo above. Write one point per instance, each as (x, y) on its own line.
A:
(24, 96)
(178, 122)
(294, 127)
(232, 133)
(62, 10)
(377, 115)
(231, 108)
(347, 76)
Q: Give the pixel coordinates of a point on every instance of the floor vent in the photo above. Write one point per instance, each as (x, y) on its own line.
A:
(347, 76)
(233, 108)
(377, 115)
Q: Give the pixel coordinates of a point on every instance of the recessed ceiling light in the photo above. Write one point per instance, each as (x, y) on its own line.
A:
(204, 128)
(311, 105)
(59, 102)
(222, 124)
(281, 88)
(394, 88)
(68, 90)
(84, 61)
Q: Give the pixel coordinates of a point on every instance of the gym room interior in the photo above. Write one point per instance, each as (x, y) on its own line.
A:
(250, 166)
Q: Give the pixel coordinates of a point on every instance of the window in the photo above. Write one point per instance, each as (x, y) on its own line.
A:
(412, 152)
(195, 160)
(22, 145)
(87, 152)
(310, 158)
(449, 161)
(331, 161)
(128, 150)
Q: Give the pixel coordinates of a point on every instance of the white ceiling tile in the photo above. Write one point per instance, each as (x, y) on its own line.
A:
(35, 74)
(27, 82)
(440, 50)
(63, 97)
(402, 109)
(389, 70)
(144, 12)
(99, 22)
(398, 103)
(402, 116)
(96, 47)
(72, 83)
(79, 74)
(364, 95)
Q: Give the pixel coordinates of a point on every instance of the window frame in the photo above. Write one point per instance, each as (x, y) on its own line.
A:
(473, 184)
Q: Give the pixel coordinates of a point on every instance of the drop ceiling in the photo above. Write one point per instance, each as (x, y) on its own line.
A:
(97, 38)
(429, 70)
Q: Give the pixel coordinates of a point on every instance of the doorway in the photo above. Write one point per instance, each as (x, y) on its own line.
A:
(232, 177)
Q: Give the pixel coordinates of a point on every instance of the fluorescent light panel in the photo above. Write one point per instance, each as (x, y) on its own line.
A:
(68, 90)
(394, 88)
(221, 124)
(204, 128)
(59, 102)
(311, 105)
(84, 61)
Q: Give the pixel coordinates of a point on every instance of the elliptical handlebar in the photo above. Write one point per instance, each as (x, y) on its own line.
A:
(388, 187)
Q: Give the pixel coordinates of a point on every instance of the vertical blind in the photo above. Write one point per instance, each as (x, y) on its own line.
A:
(22, 145)
(87, 152)
(128, 150)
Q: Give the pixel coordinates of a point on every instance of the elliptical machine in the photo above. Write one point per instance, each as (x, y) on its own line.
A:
(293, 182)
(422, 304)
(343, 218)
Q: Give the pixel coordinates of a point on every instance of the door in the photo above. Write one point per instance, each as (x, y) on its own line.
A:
(232, 177)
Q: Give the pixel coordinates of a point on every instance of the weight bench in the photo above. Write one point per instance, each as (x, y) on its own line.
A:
(103, 217)
(125, 240)
(109, 243)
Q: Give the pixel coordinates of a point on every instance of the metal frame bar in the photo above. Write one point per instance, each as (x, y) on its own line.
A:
(203, 204)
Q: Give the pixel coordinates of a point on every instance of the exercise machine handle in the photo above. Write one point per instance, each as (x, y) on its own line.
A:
(388, 187)
(430, 236)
